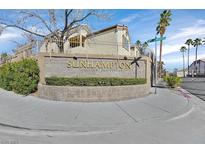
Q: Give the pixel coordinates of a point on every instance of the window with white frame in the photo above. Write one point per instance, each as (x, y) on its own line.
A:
(74, 41)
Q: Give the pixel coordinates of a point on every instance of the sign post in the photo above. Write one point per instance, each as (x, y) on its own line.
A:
(155, 58)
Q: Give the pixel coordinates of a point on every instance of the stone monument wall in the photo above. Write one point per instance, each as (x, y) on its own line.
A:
(91, 66)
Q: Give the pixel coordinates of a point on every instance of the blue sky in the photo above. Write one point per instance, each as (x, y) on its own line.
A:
(142, 24)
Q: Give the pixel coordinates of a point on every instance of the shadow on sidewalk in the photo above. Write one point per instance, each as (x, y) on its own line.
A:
(160, 86)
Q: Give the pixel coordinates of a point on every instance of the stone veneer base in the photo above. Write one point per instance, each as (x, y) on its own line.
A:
(92, 94)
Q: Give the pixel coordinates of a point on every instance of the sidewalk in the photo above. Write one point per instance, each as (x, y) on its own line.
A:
(31, 113)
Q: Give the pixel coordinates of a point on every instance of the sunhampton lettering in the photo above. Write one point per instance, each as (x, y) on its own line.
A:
(98, 64)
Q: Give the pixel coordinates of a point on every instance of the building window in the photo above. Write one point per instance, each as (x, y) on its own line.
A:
(83, 41)
(125, 43)
(74, 41)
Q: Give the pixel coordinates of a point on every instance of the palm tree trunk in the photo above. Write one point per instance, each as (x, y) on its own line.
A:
(195, 58)
(183, 66)
(196, 53)
(188, 58)
(160, 57)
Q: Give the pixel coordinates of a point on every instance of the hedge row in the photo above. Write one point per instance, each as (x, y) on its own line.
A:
(91, 81)
(21, 77)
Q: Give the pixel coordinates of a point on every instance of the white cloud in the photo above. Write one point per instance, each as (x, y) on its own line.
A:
(10, 34)
(130, 18)
(180, 59)
(7, 36)
(197, 30)
(176, 40)
(168, 48)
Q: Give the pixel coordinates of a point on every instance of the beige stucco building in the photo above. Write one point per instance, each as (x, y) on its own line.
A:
(114, 40)
(22, 52)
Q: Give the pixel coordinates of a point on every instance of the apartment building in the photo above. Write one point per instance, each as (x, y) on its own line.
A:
(114, 40)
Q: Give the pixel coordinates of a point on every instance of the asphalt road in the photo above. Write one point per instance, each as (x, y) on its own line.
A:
(196, 86)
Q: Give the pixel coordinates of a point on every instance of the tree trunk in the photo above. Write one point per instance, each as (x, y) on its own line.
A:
(60, 44)
(188, 58)
(61, 47)
(160, 58)
(183, 66)
(196, 52)
(195, 58)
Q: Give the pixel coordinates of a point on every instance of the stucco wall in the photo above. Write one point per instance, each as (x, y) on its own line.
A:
(57, 65)
(92, 94)
(105, 43)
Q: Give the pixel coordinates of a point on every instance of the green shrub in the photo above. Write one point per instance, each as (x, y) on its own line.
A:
(93, 81)
(173, 81)
(165, 78)
(21, 77)
(6, 76)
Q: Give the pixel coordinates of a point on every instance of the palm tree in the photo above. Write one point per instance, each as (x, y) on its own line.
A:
(183, 50)
(188, 42)
(160, 65)
(203, 41)
(196, 43)
(141, 46)
(144, 46)
(138, 43)
(165, 19)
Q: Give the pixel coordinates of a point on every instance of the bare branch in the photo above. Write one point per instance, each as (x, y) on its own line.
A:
(102, 15)
(67, 14)
(21, 28)
(53, 19)
(78, 20)
(18, 44)
(37, 16)
(29, 37)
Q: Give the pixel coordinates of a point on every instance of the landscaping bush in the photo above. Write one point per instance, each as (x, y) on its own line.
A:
(165, 78)
(6, 76)
(173, 81)
(21, 77)
(93, 81)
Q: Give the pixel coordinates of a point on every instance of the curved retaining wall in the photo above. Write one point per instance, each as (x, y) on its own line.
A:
(92, 94)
